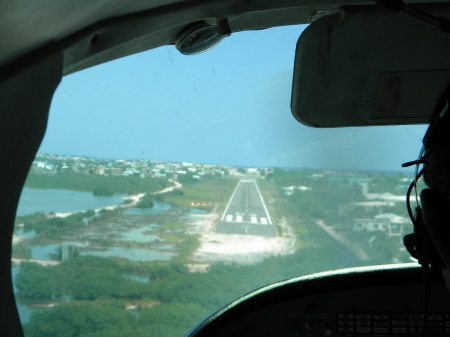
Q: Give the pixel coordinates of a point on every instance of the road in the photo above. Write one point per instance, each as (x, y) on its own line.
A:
(246, 212)
(354, 248)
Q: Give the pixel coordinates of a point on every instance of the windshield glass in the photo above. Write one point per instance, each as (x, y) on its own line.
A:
(169, 185)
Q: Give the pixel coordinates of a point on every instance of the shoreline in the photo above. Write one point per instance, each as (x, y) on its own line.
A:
(134, 197)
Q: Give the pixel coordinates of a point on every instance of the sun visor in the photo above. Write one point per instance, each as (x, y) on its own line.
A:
(368, 66)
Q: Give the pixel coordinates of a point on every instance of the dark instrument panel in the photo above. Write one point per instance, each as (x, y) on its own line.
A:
(378, 301)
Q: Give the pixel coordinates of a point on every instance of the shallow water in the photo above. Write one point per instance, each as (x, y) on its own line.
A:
(133, 254)
(43, 252)
(140, 234)
(166, 247)
(142, 279)
(197, 211)
(35, 200)
(28, 235)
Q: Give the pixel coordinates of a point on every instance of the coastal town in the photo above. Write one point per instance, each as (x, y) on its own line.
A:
(51, 163)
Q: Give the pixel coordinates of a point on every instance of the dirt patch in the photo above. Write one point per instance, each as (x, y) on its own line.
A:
(238, 248)
(198, 268)
(139, 305)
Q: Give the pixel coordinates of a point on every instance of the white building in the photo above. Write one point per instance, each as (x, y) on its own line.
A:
(387, 222)
(289, 190)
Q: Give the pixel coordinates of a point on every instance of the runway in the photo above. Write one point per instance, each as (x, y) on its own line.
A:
(246, 212)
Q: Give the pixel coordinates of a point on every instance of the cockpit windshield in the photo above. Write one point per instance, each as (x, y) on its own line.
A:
(169, 185)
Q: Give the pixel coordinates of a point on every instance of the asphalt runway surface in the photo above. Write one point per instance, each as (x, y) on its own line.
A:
(246, 212)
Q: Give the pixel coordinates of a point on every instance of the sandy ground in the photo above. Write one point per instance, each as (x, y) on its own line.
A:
(171, 188)
(17, 262)
(135, 198)
(236, 248)
(17, 238)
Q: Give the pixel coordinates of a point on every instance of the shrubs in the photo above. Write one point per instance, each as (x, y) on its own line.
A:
(146, 201)
(102, 192)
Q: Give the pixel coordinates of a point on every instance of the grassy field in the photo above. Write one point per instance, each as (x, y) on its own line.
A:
(217, 192)
(283, 212)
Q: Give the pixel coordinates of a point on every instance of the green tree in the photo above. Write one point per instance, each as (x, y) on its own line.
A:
(146, 201)
(21, 251)
(102, 191)
(76, 320)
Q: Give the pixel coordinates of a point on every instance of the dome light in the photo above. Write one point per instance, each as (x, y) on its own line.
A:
(199, 38)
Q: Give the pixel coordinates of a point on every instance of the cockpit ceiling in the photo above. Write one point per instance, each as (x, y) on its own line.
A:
(92, 32)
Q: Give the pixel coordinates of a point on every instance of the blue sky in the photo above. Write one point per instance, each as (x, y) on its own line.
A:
(229, 105)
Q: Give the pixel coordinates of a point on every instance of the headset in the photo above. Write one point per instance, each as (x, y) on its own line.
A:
(420, 244)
